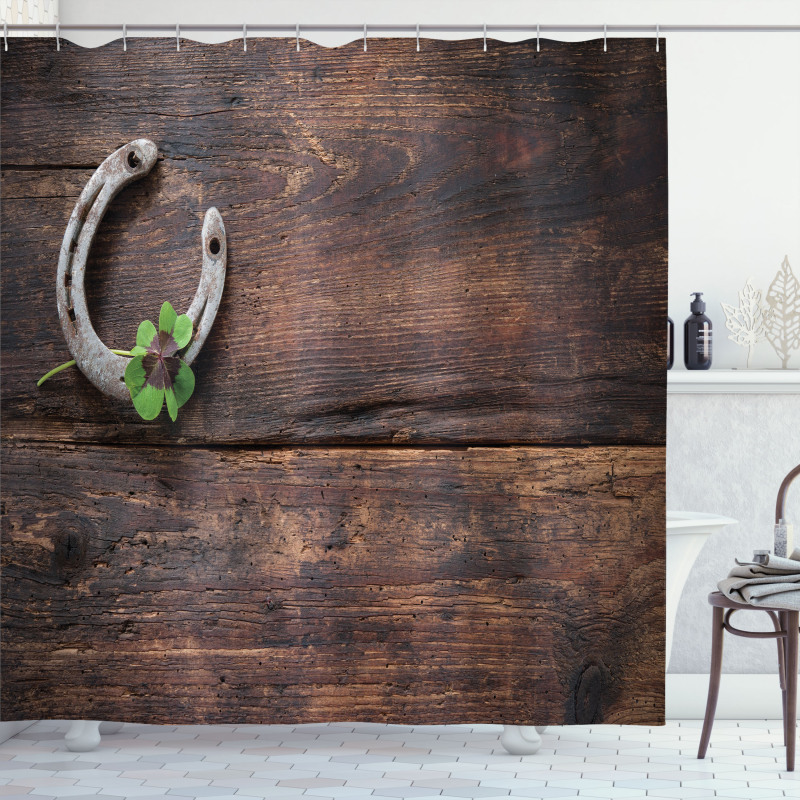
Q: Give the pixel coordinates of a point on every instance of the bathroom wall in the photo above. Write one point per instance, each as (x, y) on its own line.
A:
(727, 454)
(734, 175)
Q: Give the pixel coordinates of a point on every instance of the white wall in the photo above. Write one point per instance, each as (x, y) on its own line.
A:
(734, 171)
(734, 174)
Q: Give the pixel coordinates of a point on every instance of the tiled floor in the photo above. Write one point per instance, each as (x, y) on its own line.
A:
(354, 760)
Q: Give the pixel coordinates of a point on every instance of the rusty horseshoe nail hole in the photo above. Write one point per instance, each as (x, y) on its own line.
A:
(213, 246)
(133, 159)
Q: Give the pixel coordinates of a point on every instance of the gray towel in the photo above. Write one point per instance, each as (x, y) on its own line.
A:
(775, 584)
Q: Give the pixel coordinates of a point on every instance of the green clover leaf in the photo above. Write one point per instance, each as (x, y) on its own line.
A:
(156, 372)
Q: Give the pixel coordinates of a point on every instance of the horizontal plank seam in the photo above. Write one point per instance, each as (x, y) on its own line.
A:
(37, 167)
(11, 441)
(51, 166)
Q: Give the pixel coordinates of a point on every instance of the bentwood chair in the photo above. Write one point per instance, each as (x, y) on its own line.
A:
(785, 624)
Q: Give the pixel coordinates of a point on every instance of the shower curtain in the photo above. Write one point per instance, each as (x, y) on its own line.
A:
(421, 476)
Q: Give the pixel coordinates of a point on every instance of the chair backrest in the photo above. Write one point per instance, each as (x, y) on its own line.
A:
(782, 493)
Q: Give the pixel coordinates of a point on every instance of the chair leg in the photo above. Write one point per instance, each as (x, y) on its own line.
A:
(781, 642)
(790, 718)
(717, 632)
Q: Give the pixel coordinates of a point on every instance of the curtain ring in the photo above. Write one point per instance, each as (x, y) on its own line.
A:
(656, 37)
(605, 37)
(484, 37)
(244, 36)
(365, 37)
(537, 37)
(124, 38)
(178, 37)
(297, 35)
(418, 37)
(58, 36)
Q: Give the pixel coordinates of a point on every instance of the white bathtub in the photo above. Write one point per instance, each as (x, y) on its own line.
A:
(687, 532)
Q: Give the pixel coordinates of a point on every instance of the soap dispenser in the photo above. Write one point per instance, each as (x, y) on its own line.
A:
(697, 336)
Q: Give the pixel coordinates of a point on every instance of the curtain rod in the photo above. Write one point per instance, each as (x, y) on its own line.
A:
(295, 29)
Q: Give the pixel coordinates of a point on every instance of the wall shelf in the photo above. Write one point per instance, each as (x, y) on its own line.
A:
(734, 381)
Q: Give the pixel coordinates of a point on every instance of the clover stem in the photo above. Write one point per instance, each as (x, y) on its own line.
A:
(54, 371)
(68, 364)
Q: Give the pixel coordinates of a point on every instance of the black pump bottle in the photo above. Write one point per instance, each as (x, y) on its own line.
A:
(697, 336)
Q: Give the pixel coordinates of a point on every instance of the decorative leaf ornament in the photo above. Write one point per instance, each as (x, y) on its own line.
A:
(747, 322)
(783, 325)
(156, 372)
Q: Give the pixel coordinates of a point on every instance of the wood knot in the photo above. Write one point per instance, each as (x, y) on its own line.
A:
(70, 546)
(589, 695)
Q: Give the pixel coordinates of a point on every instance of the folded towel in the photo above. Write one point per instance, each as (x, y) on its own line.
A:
(775, 584)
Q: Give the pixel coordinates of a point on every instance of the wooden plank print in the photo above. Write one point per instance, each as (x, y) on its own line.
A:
(511, 584)
(450, 246)
(422, 475)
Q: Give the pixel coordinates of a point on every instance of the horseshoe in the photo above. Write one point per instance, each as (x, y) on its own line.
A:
(103, 368)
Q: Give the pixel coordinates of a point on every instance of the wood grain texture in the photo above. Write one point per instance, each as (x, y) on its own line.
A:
(511, 585)
(448, 246)
(426, 251)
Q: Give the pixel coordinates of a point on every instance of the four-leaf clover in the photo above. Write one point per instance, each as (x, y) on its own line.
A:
(156, 372)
